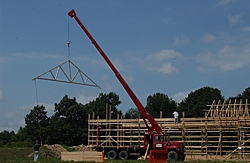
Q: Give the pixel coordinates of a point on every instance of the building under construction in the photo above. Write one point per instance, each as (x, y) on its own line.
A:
(224, 131)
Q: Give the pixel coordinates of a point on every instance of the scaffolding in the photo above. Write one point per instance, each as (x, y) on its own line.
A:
(224, 131)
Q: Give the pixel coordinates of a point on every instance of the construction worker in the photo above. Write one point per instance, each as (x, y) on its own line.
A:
(176, 115)
(36, 150)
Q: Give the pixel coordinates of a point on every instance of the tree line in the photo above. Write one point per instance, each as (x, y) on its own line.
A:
(68, 124)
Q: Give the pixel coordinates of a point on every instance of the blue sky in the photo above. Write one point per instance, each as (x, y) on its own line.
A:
(171, 47)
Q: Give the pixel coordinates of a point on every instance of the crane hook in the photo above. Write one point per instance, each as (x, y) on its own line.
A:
(68, 43)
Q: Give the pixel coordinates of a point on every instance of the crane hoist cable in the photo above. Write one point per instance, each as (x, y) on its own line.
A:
(76, 76)
(36, 94)
(68, 41)
(69, 50)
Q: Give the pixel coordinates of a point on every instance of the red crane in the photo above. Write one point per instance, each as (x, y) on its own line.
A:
(154, 125)
(157, 143)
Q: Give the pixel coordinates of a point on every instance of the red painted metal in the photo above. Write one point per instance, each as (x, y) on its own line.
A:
(97, 134)
(158, 156)
(154, 125)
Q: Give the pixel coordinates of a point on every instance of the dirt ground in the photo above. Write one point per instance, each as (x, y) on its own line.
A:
(80, 148)
(56, 149)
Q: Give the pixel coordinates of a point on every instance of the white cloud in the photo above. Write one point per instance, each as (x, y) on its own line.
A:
(6, 59)
(37, 55)
(119, 66)
(129, 78)
(12, 119)
(181, 40)
(108, 87)
(1, 96)
(234, 20)
(161, 62)
(226, 59)
(163, 55)
(246, 29)
(178, 97)
(50, 107)
(85, 97)
(97, 63)
(17, 57)
(224, 2)
(106, 84)
(168, 20)
(207, 37)
(165, 68)
(1, 60)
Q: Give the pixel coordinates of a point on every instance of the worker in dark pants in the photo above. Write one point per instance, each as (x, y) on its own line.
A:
(176, 115)
(36, 150)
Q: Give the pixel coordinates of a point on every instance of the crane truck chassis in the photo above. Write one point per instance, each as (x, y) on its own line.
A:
(154, 140)
(174, 151)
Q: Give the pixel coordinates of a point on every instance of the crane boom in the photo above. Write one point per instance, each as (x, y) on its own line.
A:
(142, 110)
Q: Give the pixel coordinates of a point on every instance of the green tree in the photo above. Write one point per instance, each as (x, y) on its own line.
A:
(161, 102)
(243, 96)
(36, 122)
(69, 123)
(21, 134)
(54, 130)
(132, 113)
(99, 105)
(196, 101)
(6, 137)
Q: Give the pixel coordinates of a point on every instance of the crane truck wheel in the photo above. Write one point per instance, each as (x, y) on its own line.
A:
(112, 154)
(172, 156)
(123, 155)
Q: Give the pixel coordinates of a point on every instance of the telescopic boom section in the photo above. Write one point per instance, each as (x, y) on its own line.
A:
(138, 104)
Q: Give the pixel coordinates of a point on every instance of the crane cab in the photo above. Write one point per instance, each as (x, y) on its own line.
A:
(155, 141)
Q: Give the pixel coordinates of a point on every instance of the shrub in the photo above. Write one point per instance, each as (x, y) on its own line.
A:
(20, 144)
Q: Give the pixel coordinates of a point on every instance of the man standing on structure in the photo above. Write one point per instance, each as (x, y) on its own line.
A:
(176, 115)
(36, 150)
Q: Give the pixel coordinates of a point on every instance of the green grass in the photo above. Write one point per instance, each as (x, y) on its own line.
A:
(20, 155)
